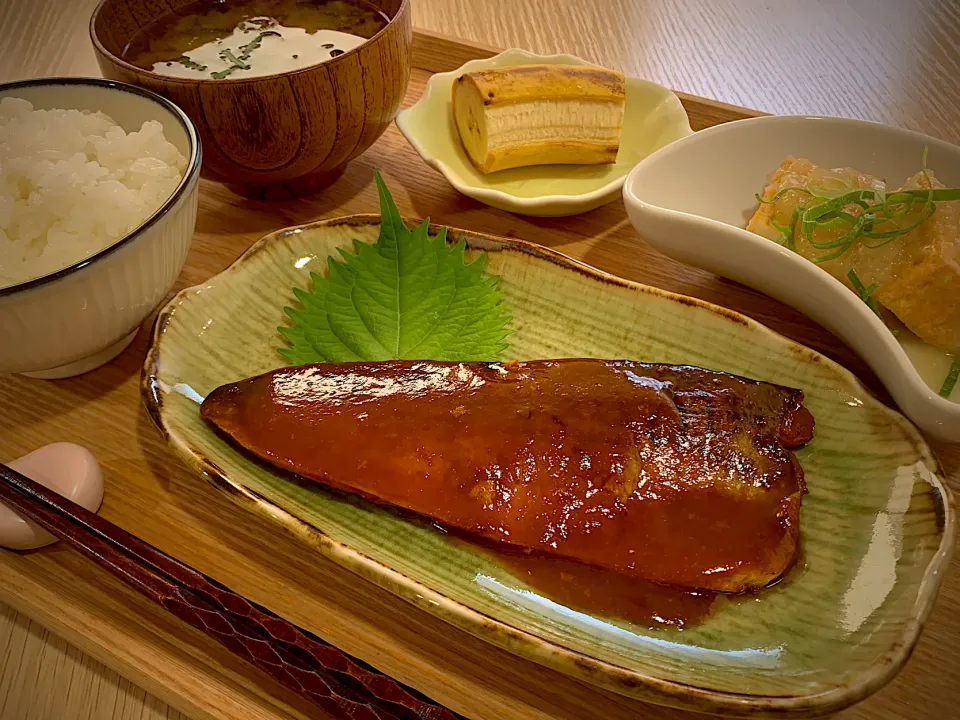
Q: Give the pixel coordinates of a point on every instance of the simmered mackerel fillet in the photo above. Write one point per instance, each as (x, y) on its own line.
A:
(674, 474)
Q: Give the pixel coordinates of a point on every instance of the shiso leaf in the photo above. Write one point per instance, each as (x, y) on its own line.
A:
(408, 296)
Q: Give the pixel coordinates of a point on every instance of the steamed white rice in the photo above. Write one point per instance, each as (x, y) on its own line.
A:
(72, 182)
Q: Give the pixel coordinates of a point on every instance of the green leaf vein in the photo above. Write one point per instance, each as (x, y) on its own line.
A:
(406, 296)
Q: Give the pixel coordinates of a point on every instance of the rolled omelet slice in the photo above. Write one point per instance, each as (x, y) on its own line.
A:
(539, 115)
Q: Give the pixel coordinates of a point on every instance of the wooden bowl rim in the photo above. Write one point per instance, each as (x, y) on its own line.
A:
(100, 48)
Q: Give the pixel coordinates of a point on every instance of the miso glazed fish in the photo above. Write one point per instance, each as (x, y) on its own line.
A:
(674, 474)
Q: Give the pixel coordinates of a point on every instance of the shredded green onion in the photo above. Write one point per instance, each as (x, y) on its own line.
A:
(865, 293)
(870, 215)
(247, 50)
(951, 380)
(187, 62)
(233, 59)
(877, 220)
(240, 63)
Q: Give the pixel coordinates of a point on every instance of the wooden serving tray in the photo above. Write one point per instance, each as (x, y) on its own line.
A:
(150, 493)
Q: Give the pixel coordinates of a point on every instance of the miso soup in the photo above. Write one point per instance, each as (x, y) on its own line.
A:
(219, 39)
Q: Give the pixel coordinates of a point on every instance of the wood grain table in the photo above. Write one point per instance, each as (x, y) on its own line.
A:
(886, 60)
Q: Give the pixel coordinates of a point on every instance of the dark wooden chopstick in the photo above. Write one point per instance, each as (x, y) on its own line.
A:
(341, 685)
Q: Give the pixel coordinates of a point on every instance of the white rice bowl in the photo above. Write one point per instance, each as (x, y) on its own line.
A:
(74, 182)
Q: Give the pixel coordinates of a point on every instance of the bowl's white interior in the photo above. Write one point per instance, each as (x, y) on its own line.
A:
(716, 173)
(692, 199)
(128, 109)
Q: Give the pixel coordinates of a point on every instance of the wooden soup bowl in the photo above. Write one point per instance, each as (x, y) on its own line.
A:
(282, 135)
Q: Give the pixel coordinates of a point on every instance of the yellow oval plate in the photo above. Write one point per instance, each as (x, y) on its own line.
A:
(653, 117)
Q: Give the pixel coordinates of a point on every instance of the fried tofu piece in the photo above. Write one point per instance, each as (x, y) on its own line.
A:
(800, 173)
(917, 274)
(925, 293)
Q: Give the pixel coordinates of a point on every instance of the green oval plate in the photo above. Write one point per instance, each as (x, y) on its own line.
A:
(877, 526)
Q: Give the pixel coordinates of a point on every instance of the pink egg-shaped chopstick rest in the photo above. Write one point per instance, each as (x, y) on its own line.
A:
(68, 469)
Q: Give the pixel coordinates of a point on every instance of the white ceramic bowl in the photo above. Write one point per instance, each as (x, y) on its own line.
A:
(84, 315)
(692, 199)
(653, 117)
